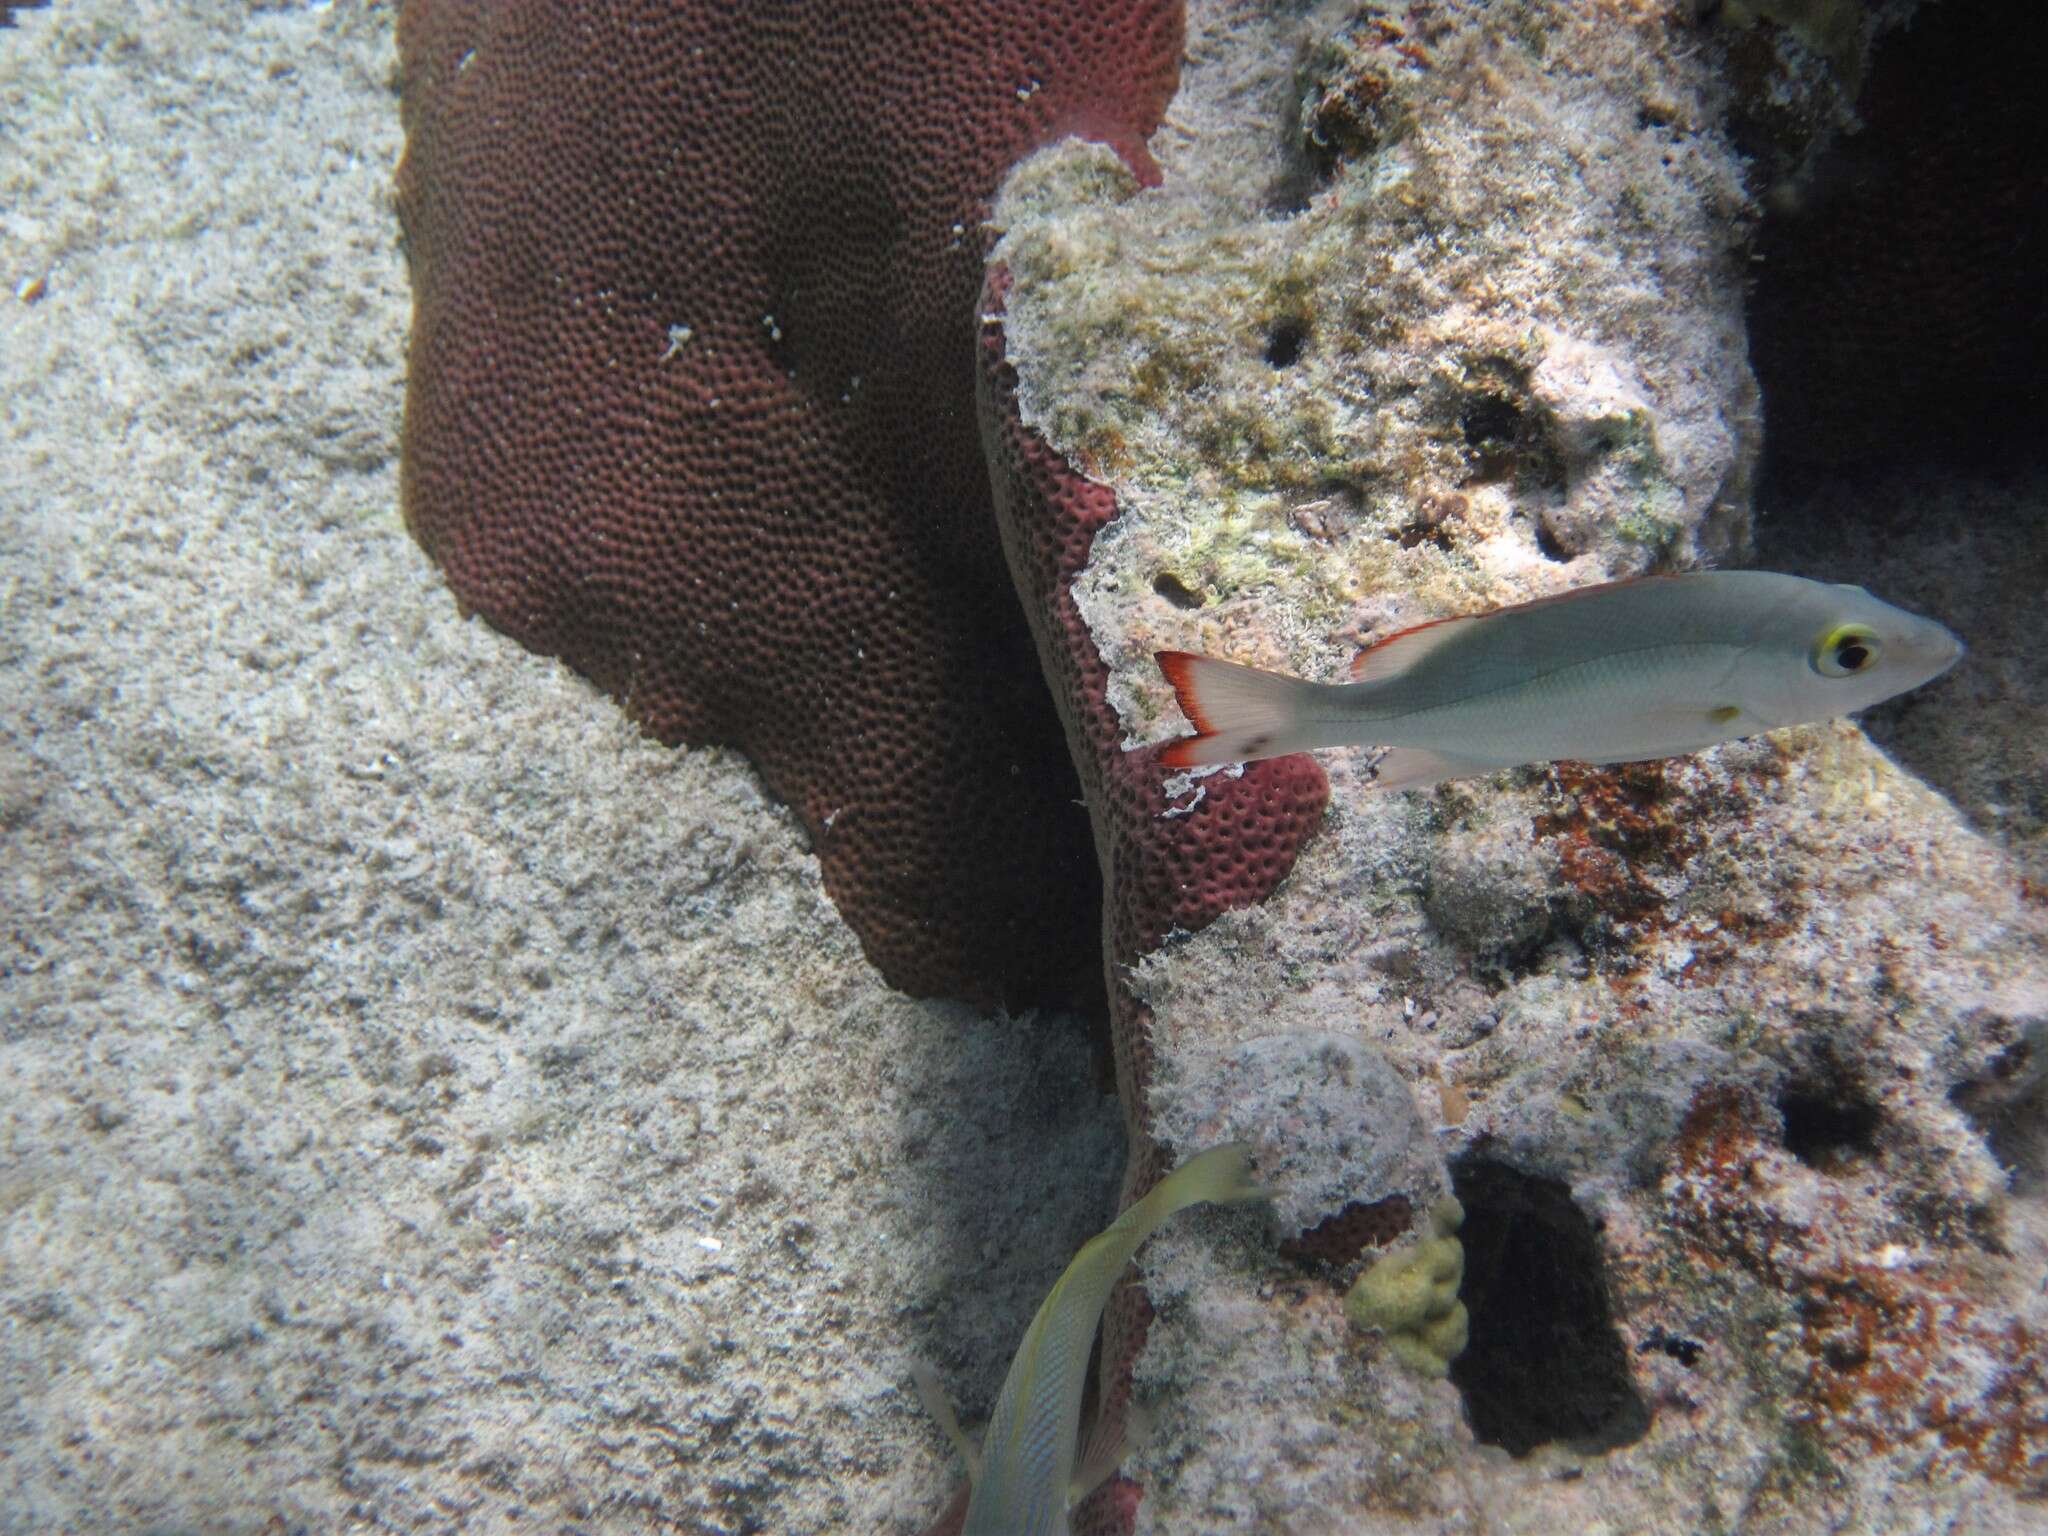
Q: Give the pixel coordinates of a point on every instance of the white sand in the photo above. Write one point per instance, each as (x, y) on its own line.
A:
(426, 1104)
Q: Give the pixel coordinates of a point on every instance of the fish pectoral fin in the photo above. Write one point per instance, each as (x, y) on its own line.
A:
(1102, 1460)
(1418, 768)
(933, 1395)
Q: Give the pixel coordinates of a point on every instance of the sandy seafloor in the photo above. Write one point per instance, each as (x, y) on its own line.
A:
(428, 1105)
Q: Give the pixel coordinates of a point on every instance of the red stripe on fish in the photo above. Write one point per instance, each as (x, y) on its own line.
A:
(1179, 667)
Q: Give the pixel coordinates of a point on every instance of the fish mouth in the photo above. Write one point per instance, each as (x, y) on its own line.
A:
(1945, 652)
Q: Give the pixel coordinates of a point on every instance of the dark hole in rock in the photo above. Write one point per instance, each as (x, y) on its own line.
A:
(1828, 1127)
(1545, 1361)
(2008, 1104)
(1504, 439)
(1547, 543)
(1491, 424)
(1175, 591)
(1284, 343)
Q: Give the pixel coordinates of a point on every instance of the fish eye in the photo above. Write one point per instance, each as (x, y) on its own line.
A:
(1845, 650)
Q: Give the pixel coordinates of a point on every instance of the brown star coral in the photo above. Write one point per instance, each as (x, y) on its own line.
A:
(689, 406)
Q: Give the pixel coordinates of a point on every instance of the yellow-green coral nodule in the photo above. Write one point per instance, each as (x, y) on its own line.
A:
(1412, 1296)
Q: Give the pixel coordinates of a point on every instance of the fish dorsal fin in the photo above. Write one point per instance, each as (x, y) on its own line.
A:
(1389, 658)
(1405, 649)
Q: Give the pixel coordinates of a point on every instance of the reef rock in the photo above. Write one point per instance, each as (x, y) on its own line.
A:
(1732, 1060)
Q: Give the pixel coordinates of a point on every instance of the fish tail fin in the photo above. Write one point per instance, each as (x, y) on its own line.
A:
(1222, 1175)
(1242, 713)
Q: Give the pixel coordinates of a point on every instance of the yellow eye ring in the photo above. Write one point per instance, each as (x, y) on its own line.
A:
(1845, 650)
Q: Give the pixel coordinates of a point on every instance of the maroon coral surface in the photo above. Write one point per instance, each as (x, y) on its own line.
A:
(1160, 872)
(690, 406)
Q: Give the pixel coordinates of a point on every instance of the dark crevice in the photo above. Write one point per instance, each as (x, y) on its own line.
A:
(1505, 437)
(1492, 425)
(1901, 305)
(1897, 326)
(1338, 111)
(1545, 1362)
(1828, 1126)
(1285, 342)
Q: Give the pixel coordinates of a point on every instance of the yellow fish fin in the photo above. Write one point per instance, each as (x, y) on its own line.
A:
(932, 1394)
(1103, 1460)
(1221, 1175)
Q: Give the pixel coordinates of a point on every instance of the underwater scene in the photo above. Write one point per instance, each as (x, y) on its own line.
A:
(775, 767)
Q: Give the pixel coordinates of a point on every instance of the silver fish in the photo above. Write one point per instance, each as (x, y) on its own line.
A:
(1624, 672)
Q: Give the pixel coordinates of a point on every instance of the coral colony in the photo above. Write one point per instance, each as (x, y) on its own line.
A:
(722, 391)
